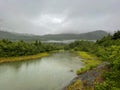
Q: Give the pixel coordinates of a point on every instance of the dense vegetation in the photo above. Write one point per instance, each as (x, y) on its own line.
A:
(111, 53)
(108, 49)
(21, 48)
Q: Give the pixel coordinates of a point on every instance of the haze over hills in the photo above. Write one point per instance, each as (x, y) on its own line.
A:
(94, 35)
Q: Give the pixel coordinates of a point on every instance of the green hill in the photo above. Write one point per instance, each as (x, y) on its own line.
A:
(87, 36)
(27, 37)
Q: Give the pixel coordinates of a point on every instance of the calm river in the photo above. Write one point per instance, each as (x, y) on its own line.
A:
(49, 73)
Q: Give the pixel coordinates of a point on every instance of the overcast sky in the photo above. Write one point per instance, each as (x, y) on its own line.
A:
(59, 16)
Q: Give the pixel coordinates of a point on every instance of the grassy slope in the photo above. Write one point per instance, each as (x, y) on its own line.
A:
(22, 58)
(91, 61)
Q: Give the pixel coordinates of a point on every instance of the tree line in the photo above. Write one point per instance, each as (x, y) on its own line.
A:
(22, 48)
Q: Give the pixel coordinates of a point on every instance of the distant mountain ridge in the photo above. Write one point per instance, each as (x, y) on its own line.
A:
(94, 35)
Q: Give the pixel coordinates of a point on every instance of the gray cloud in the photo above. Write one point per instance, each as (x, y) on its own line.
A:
(59, 16)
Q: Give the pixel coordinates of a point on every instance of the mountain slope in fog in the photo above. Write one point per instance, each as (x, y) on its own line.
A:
(86, 36)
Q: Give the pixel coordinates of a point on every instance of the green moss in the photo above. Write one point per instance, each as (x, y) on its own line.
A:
(91, 61)
(78, 85)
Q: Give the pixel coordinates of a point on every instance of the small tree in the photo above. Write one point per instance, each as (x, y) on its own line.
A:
(116, 35)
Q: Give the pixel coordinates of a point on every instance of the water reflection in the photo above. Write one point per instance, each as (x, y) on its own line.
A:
(49, 73)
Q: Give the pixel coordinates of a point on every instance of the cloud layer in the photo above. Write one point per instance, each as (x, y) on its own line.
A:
(59, 16)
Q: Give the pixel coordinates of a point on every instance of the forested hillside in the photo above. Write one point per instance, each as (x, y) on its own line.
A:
(84, 36)
(16, 36)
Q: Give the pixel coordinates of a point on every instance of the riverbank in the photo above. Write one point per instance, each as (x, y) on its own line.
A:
(91, 61)
(23, 58)
(88, 80)
(87, 75)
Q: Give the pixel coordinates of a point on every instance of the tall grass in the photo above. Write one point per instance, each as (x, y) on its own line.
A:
(91, 61)
(22, 58)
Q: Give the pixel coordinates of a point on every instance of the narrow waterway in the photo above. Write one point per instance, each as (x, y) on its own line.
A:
(49, 73)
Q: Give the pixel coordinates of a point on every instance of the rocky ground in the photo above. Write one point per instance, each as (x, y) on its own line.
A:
(87, 80)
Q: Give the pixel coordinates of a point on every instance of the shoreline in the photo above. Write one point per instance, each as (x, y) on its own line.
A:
(89, 79)
(91, 61)
(23, 58)
(29, 57)
(87, 75)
